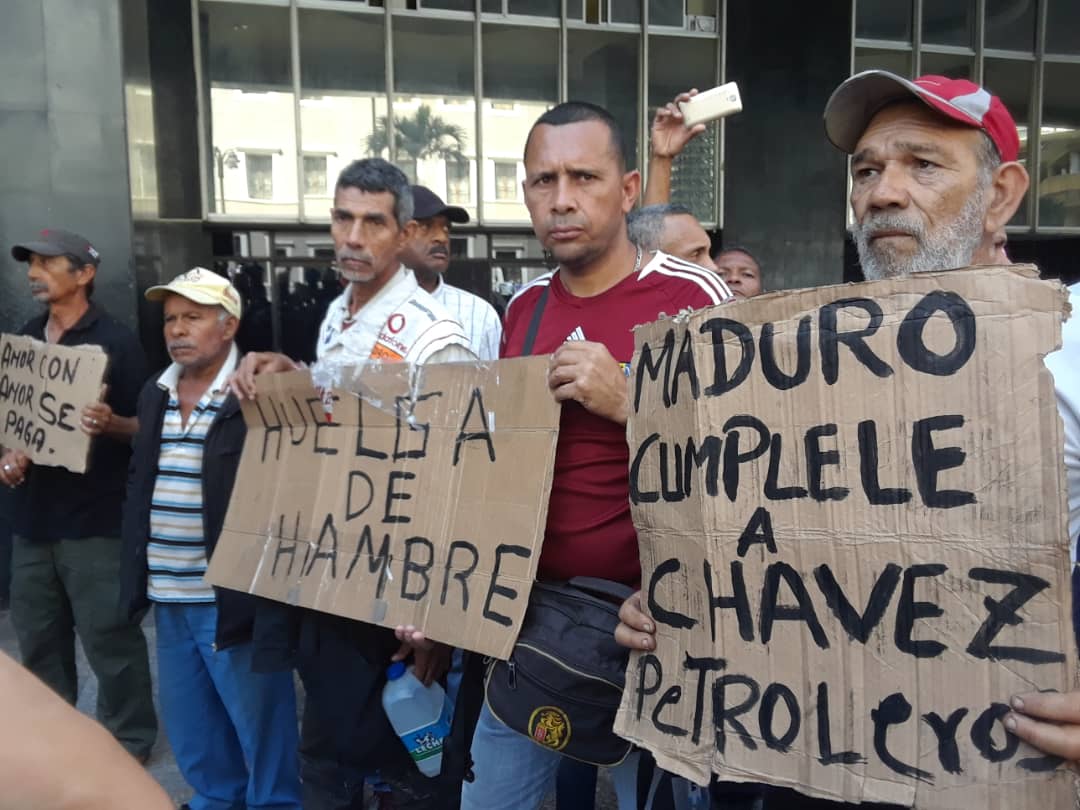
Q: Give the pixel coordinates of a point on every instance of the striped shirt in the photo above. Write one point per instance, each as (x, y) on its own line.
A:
(479, 318)
(176, 553)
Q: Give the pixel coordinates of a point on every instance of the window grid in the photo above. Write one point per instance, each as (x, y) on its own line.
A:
(695, 26)
(868, 49)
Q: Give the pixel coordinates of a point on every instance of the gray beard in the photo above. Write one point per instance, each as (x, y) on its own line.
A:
(951, 246)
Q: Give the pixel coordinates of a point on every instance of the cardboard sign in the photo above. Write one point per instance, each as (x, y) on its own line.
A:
(851, 511)
(423, 499)
(43, 389)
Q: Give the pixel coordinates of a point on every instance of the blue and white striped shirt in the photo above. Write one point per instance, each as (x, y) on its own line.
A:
(176, 553)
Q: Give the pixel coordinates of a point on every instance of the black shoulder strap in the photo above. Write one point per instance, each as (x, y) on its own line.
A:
(534, 323)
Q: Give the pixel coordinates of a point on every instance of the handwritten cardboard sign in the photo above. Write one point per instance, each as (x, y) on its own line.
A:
(422, 501)
(851, 511)
(43, 389)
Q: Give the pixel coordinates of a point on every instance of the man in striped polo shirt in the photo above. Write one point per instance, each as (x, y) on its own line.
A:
(427, 254)
(233, 731)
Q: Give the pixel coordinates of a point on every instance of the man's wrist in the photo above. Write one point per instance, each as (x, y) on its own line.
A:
(658, 156)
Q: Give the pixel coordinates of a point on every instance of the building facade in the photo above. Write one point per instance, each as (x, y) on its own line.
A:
(211, 131)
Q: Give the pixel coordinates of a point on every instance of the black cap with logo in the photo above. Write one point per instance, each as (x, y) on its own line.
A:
(55, 242)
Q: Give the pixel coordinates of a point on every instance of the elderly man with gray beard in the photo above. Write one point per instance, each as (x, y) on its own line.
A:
(935, 179)
(934, 170)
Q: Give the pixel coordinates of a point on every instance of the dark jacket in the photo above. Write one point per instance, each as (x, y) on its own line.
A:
(221, 458)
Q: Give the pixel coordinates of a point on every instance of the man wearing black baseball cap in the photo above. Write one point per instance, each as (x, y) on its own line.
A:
(427, 254)
(65, 567)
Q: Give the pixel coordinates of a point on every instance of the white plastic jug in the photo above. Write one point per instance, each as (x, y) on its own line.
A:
(419, 714)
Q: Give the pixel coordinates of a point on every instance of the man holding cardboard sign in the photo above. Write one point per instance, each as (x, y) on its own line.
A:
(382, 315)
(935, 179)
(578, 192)
(66, 552)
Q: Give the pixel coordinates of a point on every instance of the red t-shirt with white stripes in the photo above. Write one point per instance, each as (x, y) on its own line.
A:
(589, 530)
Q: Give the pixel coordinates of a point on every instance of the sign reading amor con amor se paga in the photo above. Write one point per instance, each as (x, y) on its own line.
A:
(421, 500)
(851, 510)
(43, 389)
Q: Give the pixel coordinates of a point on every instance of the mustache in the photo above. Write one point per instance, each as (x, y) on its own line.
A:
(439, 250)
(36, 288)
(355, 255)
(874, 224)
(560, 222)
(180, 344)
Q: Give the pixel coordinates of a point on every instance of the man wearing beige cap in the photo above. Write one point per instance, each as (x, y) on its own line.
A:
(233, 731)
(66, 549)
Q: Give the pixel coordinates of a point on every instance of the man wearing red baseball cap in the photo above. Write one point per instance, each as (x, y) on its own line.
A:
(934, 170)
(935, 179)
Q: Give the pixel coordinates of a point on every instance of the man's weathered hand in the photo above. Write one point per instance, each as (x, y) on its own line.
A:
(1048, 720)
(586, 372)
(242, 381)
(13, 467)
(635, 630)
(96, 418)
(669, 135)
(431, 659)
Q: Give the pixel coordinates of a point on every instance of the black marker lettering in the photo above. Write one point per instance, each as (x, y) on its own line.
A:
(893, 711)
(461, 576)
(1004, 612)
(772, 610)
(777, 378)
(829, 339)
(663, 615)
(476, 400)
(908, 611)
(494, 589)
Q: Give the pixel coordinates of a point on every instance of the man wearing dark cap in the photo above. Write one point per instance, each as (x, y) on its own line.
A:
(427, 253)
(66, 554)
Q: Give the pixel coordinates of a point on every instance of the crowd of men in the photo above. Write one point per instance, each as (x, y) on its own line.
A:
(935, 178)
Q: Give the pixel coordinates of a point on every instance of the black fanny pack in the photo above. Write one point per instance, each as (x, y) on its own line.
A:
(564, 680)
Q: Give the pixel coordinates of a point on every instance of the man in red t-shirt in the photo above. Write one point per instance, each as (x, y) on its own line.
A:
(578, 193)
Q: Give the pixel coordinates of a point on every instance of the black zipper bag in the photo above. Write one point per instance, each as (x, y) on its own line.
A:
(563, 682)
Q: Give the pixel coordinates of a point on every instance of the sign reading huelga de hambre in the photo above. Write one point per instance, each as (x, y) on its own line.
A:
(419, 498)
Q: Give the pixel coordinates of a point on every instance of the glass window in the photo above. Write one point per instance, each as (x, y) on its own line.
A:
(343, 94)
(955, 66)
(535, 8)
(434, 108)
(625, 11)
(449, 5)
(701, 15)
(898, 62)
(602, 68)
(883, 19)
(506, 180)
(251, 110)
(458, 183)
(1063, 26)
(260, 175)
(949, 22)
(1010, 25)
(521, 82)
(1059, 146)
(666, 12)
(675, 65)
(315, 176)
(1010, 80)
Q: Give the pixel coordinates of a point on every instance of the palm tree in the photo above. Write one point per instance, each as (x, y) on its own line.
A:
(420, 136)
